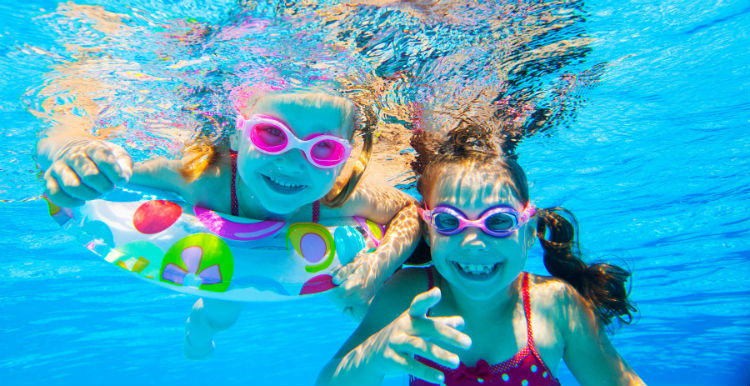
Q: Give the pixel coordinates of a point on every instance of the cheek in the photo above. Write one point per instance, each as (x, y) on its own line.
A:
(323, 178)
(253, 160)
(443, 245)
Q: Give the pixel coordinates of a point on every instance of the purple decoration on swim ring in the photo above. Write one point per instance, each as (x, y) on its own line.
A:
(234, 229)
(313, 247)
(317, 284)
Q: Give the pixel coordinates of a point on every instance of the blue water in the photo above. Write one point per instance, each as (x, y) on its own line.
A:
(655, 163)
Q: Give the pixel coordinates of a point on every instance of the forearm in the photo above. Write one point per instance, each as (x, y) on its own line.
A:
(354, 368)
(399, 241)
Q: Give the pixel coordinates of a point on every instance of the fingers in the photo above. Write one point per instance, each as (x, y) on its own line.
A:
(112, 160)
(413, 345)
(85, 171)
(63, 184)
(423, 302)
(88, 173)
(341, 273)
(57, 196)
(443, 330)
(409, 365)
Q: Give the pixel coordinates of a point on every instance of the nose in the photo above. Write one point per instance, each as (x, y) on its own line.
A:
(292, 161)
(472, 239)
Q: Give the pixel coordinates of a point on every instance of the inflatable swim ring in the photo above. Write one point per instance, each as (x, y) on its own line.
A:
(157, 237)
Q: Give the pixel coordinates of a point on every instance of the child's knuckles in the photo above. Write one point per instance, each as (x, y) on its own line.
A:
(417, 344)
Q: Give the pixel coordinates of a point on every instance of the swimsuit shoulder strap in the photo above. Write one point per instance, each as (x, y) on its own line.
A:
(527, 309)
(234, 202)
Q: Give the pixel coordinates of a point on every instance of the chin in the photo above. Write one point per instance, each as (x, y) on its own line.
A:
(285, 204)
(281, 205)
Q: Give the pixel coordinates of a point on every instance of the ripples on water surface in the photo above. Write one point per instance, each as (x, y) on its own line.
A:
(634, 116)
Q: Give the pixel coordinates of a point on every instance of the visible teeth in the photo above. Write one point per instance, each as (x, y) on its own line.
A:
(284, 184)
(476, 269)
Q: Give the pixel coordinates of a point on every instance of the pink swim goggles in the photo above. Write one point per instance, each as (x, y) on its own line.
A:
(496, 221)
(272, 136)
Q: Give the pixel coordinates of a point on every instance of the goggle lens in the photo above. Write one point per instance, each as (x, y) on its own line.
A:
(268, 137)
(500, 222)
(328, 152)
(446, 222)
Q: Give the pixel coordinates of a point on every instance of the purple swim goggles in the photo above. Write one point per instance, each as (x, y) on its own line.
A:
(496, 221)
(272, 136)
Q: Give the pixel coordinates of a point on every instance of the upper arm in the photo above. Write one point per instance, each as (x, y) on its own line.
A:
(588, 352)
(379, 203)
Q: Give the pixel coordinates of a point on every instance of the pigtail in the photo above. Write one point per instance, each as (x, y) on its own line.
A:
(199, 156)
(341, 191)
(602, 284)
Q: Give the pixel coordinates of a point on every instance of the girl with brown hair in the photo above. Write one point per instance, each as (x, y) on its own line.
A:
(475, 317)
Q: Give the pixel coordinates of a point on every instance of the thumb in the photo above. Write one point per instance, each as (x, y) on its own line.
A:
(424, 301)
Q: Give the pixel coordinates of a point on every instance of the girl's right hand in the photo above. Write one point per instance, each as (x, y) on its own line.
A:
(85, 169)
(415, 333)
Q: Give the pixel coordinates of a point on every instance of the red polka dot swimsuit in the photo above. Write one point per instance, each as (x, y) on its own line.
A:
(526, 368)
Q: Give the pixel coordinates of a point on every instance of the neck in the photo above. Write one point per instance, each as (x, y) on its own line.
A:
(477, 309)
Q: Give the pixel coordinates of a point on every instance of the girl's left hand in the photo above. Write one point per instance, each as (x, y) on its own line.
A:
(357, 283)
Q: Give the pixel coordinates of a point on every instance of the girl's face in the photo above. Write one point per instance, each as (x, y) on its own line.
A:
(474, 263)
(285, 182)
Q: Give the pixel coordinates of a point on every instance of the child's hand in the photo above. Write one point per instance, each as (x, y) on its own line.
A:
(414, 333)
(84, 170)
(357, 283)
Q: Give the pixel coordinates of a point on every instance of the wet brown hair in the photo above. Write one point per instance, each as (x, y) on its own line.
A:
(204, 152)
(472, 147)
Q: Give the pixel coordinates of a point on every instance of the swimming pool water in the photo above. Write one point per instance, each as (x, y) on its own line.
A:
(655, 163)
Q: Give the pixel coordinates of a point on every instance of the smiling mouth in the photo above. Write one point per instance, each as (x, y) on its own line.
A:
(477, 271)
(282, 187)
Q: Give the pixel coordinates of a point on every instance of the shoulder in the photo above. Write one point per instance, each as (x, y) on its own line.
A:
(551, 288)
(561, 302)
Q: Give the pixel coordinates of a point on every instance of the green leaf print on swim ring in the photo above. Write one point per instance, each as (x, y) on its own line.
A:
(141, 257)
(201, 260)
(313, 243)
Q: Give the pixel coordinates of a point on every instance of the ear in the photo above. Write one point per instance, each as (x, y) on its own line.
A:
(426, 233)
(530, 233)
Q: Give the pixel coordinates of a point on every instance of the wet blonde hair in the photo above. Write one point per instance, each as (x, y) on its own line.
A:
(203, 152)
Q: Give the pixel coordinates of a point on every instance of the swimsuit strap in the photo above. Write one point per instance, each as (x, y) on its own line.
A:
(316, 211)
(527, 309)
(234, 203)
